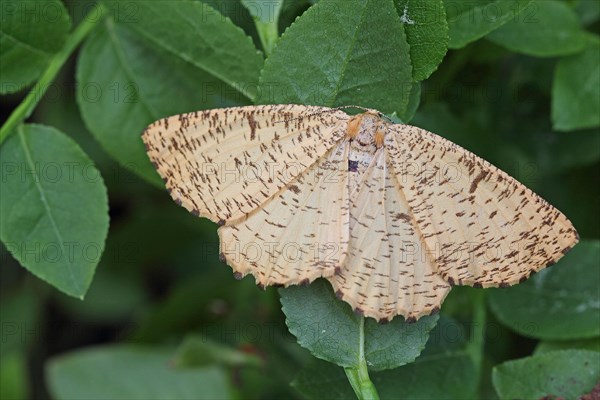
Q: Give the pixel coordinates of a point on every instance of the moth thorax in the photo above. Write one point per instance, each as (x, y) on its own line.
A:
(366, 130)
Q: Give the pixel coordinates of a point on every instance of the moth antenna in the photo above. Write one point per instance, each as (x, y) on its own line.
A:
(380, 114)
(304, 116)
(386, 117)
(352, 106)
(330, 110)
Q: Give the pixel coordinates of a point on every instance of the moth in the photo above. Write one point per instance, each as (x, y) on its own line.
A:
(392, 215)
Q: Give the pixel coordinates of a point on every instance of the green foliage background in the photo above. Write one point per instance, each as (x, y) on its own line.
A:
(137, 304)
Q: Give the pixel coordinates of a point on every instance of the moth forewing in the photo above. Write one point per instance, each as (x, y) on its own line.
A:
(222, 164)
(482, 227)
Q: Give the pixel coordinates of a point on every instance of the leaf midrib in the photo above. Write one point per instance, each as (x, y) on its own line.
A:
(46, 205)
(347, 58)
(190, 60)
(26, 45)
(110, 28)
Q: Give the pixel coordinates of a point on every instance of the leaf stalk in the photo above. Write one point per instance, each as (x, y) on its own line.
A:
(359, 376)
(26, 107)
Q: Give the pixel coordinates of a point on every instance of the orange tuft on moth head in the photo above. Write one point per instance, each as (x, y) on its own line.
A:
(354, 126)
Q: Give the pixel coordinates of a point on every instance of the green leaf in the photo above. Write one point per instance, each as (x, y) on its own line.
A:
(583, 344)
(426, 32)
(443, 370)
(331, 331)
(199, 351)
(196, 33)
(559, 303)
(552, 30)
(131, 372)
(129, 78)
(54, 207)
(566, 374)
(341, 52)
(31, 32)
(576, 89)
(472, 20)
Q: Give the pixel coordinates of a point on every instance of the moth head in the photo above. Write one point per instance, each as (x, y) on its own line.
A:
(371, 121)
(376, 123)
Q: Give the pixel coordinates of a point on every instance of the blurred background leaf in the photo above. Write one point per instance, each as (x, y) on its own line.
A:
(584, 344)
(198, 351)
(14, 382)
(567, 374)
(31, 32)
(19, 319)
(568, 292)
(549, 28)
(131, 372)
(472, 20)
(576, 89)
(588, 11)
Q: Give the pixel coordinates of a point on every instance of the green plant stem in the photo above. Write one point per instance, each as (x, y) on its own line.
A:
(24, 110)
(359, 376)
(268, 33)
